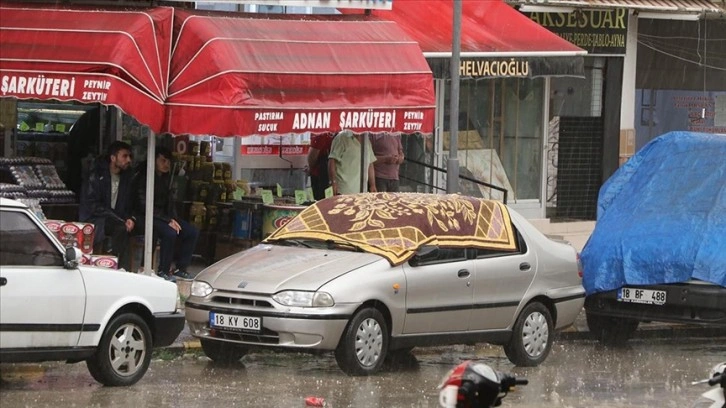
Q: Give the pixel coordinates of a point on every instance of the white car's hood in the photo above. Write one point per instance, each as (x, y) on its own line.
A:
(272, 268)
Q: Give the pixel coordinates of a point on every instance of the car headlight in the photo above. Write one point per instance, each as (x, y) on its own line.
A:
(303, 299)
(201, 289)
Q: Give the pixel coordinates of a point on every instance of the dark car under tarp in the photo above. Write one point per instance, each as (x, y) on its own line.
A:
(661, 217)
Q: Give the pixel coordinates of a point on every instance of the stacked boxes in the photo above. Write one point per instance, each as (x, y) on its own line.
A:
(54, 226)
(80, 235)
(77, 234)
(104, 261)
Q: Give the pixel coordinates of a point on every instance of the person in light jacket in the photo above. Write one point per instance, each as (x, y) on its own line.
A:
(344, 163)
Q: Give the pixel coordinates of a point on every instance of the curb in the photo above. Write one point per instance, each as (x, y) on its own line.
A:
(183, 346)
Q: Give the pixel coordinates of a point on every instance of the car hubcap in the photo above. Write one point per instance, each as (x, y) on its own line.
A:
(127, 350)
(368, 342)
(535, 334)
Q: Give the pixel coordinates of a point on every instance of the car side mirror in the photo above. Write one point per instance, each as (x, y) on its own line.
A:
(72, 257)
(424, 254)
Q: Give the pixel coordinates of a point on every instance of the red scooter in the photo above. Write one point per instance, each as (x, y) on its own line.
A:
(476, 385)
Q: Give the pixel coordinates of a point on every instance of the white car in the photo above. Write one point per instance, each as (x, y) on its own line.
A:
(52, 308)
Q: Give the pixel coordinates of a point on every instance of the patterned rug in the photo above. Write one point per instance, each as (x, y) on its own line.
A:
(395, 225)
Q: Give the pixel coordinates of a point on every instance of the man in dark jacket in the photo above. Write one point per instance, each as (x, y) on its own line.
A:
(168, 227)
(106, 201)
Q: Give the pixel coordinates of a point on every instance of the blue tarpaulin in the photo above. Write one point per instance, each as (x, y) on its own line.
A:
(661, 218)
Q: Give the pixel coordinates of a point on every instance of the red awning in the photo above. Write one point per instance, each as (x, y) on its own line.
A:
(235, 74)
(114, 57)
(228, 74)
(491, 32)
(488, 28)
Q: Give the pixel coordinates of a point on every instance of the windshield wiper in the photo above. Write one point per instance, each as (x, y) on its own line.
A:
(291, 242)
(332, 244)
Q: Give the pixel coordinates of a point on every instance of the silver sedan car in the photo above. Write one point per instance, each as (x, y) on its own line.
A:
(375, 274)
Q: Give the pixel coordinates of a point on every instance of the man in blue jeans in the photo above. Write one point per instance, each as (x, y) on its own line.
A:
(168, 227)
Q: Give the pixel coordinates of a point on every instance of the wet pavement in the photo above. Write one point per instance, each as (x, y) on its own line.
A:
(647, 373)
(654, 370)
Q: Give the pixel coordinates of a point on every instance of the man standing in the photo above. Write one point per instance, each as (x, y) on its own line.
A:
(168, 227)
(344, 163)
(318, 163)
(389, 156)
(106, 202)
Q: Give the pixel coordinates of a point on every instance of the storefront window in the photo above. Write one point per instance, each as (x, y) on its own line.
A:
(416, 174)
(43, 130)
(500, 136)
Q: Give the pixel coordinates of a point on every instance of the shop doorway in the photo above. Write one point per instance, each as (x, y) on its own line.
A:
(500, 137)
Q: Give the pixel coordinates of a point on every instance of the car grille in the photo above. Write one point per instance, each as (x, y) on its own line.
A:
(227, 300)
(266, 337)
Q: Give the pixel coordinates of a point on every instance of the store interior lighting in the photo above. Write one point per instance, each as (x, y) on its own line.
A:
(670, 16)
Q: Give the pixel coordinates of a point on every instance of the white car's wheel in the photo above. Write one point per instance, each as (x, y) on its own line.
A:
(124, 353)
(531, 336)
(363, 346)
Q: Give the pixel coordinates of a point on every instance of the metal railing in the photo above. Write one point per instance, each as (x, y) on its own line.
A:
(439, 169)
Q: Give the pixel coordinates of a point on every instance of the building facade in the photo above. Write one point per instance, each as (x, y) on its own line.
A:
(652, 67)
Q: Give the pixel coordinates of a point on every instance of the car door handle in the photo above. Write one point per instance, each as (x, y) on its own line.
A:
(3, 281)
(525, 266)
(463, 273)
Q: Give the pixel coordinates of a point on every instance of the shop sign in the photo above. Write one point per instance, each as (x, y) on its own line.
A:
(46, 86)
(43, 86)
(357, 120)
(478, 68)
(275, 150)
(599, 32)
(519, 67)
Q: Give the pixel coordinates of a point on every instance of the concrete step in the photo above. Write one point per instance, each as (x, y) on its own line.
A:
(576, 232)
(546, 226)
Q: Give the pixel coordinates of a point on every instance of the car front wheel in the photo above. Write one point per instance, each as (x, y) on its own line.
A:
(222, 351)
(531, 336)
(363, 346)
(124, 353)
